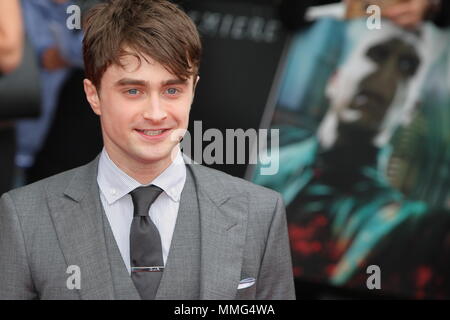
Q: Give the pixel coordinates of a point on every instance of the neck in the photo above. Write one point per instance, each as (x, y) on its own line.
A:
(142, 172)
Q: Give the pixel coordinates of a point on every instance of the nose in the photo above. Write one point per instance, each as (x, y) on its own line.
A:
(154, 110)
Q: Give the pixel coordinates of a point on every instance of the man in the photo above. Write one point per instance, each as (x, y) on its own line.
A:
(137, 222)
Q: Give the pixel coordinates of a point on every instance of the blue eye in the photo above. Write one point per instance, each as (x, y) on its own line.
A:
(132, 91)
(172, 91)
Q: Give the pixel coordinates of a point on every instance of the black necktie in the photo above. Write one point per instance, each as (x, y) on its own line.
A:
(146, 257)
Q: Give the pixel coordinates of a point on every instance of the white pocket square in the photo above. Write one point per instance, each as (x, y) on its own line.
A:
(246, 283)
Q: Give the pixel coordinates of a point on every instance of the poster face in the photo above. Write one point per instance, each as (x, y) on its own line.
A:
(364, 127)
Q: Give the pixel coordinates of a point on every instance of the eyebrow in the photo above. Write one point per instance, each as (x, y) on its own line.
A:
(144, 83)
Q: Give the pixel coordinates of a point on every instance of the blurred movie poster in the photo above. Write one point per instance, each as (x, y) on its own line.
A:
(364, 120)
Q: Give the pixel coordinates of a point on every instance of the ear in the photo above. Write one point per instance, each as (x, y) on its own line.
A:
(196, 80)
(92, 96)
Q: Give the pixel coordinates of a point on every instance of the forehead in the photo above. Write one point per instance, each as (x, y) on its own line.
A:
(136, 64)
(139, 66)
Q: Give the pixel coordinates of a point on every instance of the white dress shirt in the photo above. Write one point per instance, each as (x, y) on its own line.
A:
(115, 186)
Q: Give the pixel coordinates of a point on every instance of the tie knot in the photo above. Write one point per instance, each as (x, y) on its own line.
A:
(143, 197)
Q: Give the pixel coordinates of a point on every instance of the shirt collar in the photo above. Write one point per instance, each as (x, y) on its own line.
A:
(115, 184)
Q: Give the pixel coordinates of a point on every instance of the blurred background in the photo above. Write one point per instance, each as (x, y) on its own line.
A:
(362, 106)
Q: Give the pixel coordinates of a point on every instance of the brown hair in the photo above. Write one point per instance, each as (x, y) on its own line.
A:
(153, 28)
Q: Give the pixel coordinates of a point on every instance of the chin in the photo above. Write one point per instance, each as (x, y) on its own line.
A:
(154, 156)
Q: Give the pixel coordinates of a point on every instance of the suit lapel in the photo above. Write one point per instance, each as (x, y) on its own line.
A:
(223, 226)
(78, 222)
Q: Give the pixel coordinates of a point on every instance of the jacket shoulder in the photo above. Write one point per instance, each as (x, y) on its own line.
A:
(33, 196)
(234, 184)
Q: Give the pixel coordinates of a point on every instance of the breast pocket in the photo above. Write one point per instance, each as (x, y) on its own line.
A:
(246, 289)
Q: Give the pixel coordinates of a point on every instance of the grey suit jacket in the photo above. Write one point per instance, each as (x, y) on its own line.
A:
(59, 222)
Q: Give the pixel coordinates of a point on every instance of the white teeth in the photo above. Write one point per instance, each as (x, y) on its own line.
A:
(152, 132)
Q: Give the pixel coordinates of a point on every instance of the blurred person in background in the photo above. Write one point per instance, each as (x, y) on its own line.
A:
(43, 143)
(410, 13)
(407, 14)
(11, 46)
(10, 35)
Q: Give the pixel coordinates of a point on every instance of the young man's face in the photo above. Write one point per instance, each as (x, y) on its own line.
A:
(142, 108)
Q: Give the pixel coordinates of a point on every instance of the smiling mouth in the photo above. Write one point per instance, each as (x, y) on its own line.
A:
(151, 133)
